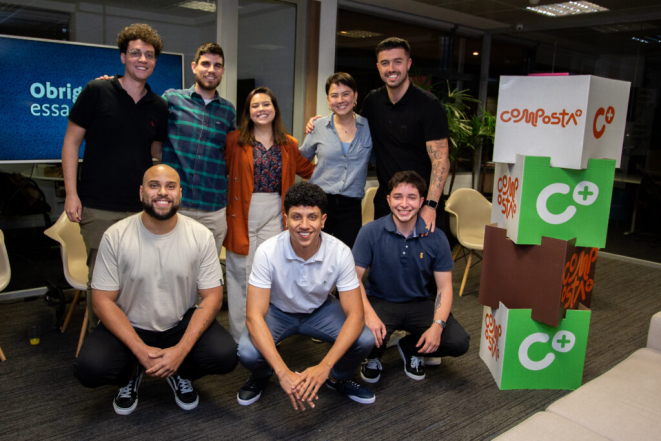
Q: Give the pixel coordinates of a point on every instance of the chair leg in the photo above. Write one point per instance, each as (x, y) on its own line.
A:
(2, 356)
(468, 266)
(456, 254)
(74, 302)
(82, 333)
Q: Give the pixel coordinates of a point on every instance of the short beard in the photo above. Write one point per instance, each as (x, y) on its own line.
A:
(204, 86)
(149, 209)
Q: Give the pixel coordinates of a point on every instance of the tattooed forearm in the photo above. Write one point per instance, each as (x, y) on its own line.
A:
(440, 162)
(208, 321)
(437, 303)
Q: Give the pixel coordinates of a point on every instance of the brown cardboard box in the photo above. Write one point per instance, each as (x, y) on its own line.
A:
(548, 278)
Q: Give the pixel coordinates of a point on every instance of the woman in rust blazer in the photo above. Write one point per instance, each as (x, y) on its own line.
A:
(262, 163)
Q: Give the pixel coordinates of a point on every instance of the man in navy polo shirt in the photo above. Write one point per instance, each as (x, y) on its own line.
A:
(410, 283)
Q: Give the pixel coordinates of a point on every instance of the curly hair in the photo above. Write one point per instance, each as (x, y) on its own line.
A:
(408, 177)
(304, 194)
(393, 43)
(247, 125)
(139, 31)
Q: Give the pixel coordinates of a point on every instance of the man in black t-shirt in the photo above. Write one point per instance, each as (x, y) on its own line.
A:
(409, 130)
(121, 121)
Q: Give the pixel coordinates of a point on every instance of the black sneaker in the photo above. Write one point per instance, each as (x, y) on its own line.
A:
(252, 390)
(413, 366)
(184, 394)
(370, 370)
(126, 400)
(353, 390)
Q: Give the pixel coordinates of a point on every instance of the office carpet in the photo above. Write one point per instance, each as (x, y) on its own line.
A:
(40, 398)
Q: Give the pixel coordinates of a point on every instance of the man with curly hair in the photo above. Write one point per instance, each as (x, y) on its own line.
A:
(120, 121)
(289, 290)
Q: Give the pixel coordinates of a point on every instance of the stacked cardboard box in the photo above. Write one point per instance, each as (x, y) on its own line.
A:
(558, 141)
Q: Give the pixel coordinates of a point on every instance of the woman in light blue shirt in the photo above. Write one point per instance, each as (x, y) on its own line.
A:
(343, 144)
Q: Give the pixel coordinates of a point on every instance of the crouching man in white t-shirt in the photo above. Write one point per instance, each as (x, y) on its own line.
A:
(289, 290)
(149, 270)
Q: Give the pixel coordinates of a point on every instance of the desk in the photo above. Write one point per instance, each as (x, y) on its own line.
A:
(38, 171)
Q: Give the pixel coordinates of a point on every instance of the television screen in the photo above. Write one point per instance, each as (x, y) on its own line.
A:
(41, 79)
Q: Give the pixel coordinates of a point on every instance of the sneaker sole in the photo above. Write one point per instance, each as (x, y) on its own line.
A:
(187, 406)
(408, 374)
(124, 410)
(362, 400)
(247, 402)
(369, 380)
(354, 397)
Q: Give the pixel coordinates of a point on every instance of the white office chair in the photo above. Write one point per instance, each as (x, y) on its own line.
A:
(368, 205)
(74, 261)
(5, 274)
(469, 212)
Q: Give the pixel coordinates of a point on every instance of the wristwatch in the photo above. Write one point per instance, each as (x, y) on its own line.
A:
(440, 322)
(432, 204)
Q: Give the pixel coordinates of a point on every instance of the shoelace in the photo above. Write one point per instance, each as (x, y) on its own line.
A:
(349, 384)
(184, 385)
(125, 392)
(253, 384)
(417, 362)
(373, 363)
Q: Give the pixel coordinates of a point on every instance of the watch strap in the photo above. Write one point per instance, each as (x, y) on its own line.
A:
(441, 323)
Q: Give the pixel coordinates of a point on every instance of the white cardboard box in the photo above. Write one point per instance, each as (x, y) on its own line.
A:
(569, 118)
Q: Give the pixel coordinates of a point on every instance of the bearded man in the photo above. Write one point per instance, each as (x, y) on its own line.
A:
(150, 269)
(198, 122)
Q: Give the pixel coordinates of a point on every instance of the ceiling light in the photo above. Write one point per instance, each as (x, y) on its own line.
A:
(476, 53)
(567, 8)
(203, 5)
(358, 34)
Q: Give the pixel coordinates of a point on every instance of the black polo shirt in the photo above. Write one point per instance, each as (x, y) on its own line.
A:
(400, 132)
(118, 137)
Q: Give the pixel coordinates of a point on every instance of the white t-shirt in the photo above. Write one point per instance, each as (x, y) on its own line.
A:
(301, 286)
(157, 275)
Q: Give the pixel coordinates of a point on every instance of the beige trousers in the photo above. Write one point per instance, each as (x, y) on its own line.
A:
(264, 222)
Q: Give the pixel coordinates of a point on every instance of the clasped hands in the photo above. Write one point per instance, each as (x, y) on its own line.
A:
(161, 363)
(302, 387)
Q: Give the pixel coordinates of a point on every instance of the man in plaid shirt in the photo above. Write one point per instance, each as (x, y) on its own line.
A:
(198, 122)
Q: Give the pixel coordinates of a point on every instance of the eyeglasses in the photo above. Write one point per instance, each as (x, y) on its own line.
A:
(137, 53)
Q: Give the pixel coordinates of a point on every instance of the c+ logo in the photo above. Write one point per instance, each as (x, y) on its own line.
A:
(609, 116)
(563, 341)
(585, 193)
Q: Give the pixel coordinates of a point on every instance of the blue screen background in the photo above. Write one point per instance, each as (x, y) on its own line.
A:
(25, 137)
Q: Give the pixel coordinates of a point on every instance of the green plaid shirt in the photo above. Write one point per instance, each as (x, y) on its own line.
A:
(196, 144)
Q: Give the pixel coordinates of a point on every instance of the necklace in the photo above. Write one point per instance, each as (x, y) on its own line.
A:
(353, 123)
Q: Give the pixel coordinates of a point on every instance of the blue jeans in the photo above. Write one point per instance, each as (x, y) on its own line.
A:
(324, 324)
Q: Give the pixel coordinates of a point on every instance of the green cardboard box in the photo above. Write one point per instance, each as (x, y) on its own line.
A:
(533, 199)
(522, 353)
